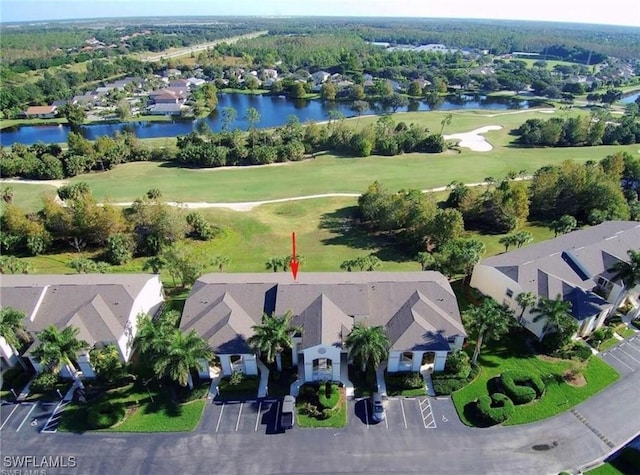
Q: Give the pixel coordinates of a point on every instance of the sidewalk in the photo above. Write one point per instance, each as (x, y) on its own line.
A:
(382, 385)
(263, 387)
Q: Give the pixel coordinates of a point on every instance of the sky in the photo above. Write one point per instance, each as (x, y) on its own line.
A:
(612, 12)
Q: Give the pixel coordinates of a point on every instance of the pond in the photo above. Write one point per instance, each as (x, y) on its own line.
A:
(274, 111)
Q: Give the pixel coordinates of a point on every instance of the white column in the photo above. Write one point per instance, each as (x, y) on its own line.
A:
(250, 364)
(417, 360)
(294, 352)
(439, 361)
(335, 367)
(225, 363)
(394, 360)
(308, 369)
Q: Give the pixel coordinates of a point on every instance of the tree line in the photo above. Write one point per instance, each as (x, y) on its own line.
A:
(596, 129)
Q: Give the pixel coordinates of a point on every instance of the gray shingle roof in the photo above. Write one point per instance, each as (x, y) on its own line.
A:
(98, 304)
(326, 305)
(577, 258)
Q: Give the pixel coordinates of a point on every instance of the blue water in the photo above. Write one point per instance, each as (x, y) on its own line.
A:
(631, 98)
(274, 111)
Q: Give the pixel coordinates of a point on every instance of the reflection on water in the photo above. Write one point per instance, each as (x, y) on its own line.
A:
(273, 110)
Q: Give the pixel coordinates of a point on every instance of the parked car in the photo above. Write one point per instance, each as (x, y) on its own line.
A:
(287, 418)
(377, 408)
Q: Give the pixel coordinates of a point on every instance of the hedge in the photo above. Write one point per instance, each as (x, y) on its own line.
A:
(521, 387)
(405, 380)
(105, 415)
(247, 383)
(494, 409)
(447, 386)
(332, 400)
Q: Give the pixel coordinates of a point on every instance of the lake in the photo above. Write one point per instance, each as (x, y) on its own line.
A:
(274, 111)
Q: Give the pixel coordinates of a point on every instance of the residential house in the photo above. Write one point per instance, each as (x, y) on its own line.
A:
(165, 109)
(168, 96)
(41, 112)
(104, 307)
(320, 77)
(574, 266)
(182, 84)
(418, 311)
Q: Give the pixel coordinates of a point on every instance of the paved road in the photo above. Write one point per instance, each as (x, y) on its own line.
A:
(419, 436)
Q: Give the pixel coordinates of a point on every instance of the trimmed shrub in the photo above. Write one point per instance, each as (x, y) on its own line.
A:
(405, 380)
(308, 390)
(310, 410)
(494, 409)
(44, 382)
(245, 383)
(105, 415)
(521, 387)
(444, 387)
(329, 396)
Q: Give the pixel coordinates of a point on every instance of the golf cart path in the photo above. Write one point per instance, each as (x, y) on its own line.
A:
(243, 206)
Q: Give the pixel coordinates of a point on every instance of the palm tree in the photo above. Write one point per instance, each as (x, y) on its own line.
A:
(58, 348)
(11, 327)
(347, 265)
(371, 263)
(489, 320)
(445, 121)
(183, 353)
(220, 262)
(368, 346)
(273, 336)
(557, 316)
(526, 300)
(506, 241)
(628, 273)
(274, 264)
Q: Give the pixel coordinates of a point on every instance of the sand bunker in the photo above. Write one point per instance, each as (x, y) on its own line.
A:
(473, 140)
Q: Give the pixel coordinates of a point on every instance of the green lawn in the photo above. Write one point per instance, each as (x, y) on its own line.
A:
(331, 173)
(606, 469)
(151, 411)
(559, 396)
(338, 417)
(27, 196)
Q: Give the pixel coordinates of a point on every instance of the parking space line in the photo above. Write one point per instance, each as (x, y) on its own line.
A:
(621, 350)
(258, 416)
(621, 362)
(423, 409)
(277, 422)
(9, 416)
(33, 406)
(366, 412)
(386, 417)
(631, 345)
(239, 414)
(220, 417)
(403, 414)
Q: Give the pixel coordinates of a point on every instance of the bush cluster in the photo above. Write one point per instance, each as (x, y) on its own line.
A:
(44, 382)
(405, 380)
(242, 382)
(329, 396)
(105, 415)
(494, 409)
(520, 386)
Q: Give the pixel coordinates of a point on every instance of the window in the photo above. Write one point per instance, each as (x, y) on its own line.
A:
(509, 293)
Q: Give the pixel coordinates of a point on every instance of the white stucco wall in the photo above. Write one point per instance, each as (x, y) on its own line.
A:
(85, 366)
(249, 364)
(322, 351)
(148, 301)
(9, 354)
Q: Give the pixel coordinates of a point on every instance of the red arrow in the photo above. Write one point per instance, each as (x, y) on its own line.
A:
(294, 259)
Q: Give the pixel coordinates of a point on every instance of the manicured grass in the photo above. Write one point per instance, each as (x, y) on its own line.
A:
(398, 385)
(559, 396)
(247, 388)
(607, 344)
(538, 231)
(331, 173)
(606, 469)
(230, 90)
(624, 331)
(160, 417)
(147, 411)
(338, 417)
(28, 197)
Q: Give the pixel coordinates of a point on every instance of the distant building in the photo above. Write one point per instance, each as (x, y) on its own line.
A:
(166, 109)
(41, 112)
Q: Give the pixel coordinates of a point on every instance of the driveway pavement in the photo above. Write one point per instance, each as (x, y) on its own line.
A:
(625, 356)
(228, 442)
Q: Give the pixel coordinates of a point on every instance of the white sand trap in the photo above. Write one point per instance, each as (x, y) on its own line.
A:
(473, 140)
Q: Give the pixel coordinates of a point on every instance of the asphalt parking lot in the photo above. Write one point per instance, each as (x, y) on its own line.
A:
(26, 417)
(243, 417)
(421, 413)
(625, 357)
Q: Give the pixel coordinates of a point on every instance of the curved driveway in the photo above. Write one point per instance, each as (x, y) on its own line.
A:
(571, 440)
